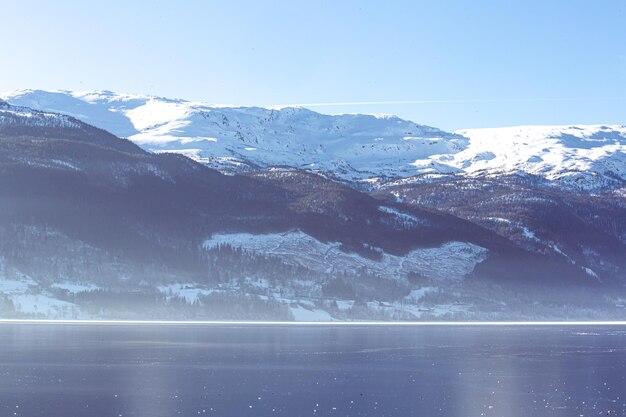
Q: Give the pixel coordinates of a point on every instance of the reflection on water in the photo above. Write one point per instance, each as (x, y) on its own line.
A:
(154, 371)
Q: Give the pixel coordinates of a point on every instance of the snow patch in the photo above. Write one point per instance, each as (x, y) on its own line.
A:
(591, 272)
(418, 293)
(355, 147)
(528, 234)
(188, 291)
(44, 306)
(402, 217)
(300, 313)
(450, 261)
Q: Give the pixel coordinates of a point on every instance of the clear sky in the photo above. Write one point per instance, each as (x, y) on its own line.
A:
(459, 63)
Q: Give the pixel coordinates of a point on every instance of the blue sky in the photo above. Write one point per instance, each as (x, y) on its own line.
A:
(460, 63)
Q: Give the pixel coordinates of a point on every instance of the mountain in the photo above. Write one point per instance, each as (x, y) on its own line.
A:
(95, 226)
(585, 229)
(365, 149)
(239, 139)
(550, 189)
(573, 157)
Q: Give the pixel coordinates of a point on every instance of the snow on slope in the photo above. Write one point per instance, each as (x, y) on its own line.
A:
(584, 155)
(354, 147)
(24, 116)
(450, 261)
(29, 298)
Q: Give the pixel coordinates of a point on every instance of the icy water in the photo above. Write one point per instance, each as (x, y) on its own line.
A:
(227, 370)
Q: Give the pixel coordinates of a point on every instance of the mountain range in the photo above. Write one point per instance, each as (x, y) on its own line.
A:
(351, 147)
(229, 212)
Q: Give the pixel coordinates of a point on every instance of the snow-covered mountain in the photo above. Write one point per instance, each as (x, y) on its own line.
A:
(353, 147)
(235, 139)
(25, 116)
(94, 226)
(591, 156)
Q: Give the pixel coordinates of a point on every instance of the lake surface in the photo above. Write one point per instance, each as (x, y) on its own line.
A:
(227, 370)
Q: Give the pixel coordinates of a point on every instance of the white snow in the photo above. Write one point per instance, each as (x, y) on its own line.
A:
(301, 313)
(19, 115)
(416, 294)
(450, 261)
(189, 291)
(12, 287)
(583, 156)
(498, 219)
(44, 306)
(591, 272)
(344, 304)
(402, 217)
(528, 234)
(74, 287)
(66, 164)
(355, 147)
(29, 298)
(231, 138)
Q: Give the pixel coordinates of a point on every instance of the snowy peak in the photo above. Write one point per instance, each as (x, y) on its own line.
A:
(83, 106)
(587, 156)
(234, 139)
(23, 116)
(352, 147)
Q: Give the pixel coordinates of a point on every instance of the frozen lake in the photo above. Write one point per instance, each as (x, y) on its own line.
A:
(55, 370)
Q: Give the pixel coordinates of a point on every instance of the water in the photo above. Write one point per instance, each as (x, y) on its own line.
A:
(154, 371)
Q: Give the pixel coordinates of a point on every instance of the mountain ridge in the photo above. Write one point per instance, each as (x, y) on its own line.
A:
(361, 149)
(83, 208)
